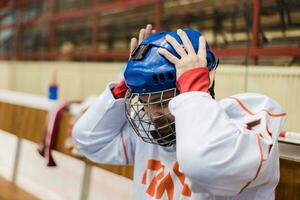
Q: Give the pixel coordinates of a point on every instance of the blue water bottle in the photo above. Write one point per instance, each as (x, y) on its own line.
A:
(53, 88)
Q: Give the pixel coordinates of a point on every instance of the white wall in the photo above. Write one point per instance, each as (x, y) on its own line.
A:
(78, 80)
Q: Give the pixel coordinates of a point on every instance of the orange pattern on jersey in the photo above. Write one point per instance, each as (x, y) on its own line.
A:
(186, 190)
(251, 113)
(154, 165)
(166, 183)
(260, 163)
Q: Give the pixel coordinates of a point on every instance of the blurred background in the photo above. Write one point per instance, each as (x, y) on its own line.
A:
(80, 46)
(99, 30)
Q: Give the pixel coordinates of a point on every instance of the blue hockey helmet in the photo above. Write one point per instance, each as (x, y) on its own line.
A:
(147, 71)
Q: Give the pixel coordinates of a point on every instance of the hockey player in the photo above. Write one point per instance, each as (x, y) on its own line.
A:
(182, 143)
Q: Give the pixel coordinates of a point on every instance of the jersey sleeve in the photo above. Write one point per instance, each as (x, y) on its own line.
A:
(103, 133)
(218, 148)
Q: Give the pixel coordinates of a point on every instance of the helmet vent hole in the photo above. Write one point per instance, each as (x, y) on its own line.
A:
(170, 76)
(155, 79)
(162, 77)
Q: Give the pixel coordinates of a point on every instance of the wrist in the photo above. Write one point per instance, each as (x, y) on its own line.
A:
(195, 79)
(119, 90)
(181, 71)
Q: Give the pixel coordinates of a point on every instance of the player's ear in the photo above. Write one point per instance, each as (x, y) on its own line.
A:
(212, 74)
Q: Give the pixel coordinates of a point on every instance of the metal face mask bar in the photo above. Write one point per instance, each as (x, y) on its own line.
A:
(149, 116)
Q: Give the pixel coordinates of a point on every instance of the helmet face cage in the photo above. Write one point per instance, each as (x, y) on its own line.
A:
(149, 116)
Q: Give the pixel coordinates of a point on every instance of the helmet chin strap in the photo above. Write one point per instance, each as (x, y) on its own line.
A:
(212, 77)
(212, 90)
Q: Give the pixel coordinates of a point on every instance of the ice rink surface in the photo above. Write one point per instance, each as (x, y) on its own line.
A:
(58, 183)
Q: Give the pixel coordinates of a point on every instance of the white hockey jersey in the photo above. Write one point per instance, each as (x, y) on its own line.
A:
(224, 150)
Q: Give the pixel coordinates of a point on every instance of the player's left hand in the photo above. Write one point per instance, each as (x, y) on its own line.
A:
(188, 57)
(144, 32)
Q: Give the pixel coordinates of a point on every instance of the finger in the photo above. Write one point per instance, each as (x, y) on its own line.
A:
(186, 42)
(178, 48)
(148, 30)
(133, 44)
(202, 50)
(141, 35)
(153, 31)
(170, 57)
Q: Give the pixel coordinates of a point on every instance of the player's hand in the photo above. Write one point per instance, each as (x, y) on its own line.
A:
(120, 89)
(144, 32)
(188, 57)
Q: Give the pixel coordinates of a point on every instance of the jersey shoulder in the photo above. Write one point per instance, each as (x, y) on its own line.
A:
(256, 112)
(250, 104)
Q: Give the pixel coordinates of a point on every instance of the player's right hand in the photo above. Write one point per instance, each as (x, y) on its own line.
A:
(144, 32)
(188, 57)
